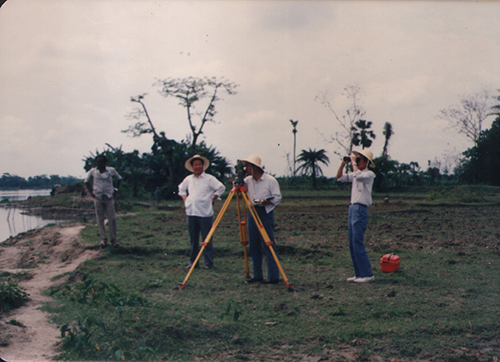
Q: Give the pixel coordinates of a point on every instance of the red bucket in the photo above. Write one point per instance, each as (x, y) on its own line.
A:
(389, 263)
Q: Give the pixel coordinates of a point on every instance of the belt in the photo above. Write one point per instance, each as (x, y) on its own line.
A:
(359, 204)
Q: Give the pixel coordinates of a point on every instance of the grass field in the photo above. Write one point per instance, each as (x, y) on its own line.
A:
(442, 305)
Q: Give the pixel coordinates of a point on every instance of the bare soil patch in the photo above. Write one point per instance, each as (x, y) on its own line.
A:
(43, 254)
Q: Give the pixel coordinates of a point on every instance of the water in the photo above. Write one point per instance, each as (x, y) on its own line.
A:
(12, 221)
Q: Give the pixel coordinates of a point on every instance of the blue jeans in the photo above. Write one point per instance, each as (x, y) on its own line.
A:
(197, 225)
(257, 243)
(356, 226)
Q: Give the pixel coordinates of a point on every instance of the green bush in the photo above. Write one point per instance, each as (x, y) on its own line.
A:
(11, 296)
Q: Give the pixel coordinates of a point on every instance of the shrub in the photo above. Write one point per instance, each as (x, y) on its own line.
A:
(11, 296)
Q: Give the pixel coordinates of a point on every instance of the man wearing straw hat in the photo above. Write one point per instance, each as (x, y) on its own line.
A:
(264, 190)
(199, 192)
(361, 198)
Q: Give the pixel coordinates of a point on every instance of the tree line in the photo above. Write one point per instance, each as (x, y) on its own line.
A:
(160, 171)
(36, 182)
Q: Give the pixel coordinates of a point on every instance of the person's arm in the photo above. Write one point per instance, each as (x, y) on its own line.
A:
(274, 189)
(340, 171)
(88, 184)
(182, 190)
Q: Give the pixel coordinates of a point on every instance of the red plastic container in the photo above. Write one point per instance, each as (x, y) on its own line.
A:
(389, 263)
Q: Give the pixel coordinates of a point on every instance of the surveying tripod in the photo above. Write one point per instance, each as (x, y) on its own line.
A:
(236, 190)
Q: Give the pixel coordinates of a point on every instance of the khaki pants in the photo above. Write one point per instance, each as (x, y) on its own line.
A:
(105, 208)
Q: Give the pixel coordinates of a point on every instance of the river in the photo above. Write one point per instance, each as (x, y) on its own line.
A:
(12, 219)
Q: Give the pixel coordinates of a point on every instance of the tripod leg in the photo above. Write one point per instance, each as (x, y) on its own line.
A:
(243, 234)
(207, 239)
(265, 236)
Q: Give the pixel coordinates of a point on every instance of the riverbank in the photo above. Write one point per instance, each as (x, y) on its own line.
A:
(40, 256)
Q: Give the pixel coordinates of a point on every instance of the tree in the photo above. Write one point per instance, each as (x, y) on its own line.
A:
(190, 91)
(470, 114)
(354, 113)
(388, 132)
(294, 125)
(140, 127)
(310, 161)
(362, 135)
(482, 162)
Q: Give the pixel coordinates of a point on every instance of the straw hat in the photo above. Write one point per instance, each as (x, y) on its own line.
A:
(367, 154)
(254, 160)
(189, 166)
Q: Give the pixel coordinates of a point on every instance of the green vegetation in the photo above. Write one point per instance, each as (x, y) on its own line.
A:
(11, 296)
(441, 305)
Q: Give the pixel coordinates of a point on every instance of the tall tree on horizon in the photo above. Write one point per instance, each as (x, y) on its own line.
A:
(294, 125)
(346, 121)
(470, 114)
(189, 92)
(310, 160)
(388, 132)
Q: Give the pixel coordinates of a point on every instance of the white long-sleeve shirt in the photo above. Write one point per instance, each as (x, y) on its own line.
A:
(200, 191)
(266, 188)
(362, 184)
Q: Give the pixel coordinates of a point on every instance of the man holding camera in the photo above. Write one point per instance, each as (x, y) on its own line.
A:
(264, 190)
(361, 198)
(199, 192)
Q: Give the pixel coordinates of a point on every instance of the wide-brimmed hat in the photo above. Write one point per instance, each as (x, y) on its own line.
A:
(367, 154)
(254, 160)
(190, 160)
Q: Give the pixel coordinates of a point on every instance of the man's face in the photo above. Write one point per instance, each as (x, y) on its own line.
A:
(362, 163)
(249, 169)
(101, 162)
(197, 167)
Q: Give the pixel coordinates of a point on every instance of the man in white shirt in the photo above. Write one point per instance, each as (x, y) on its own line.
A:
(103, 192)
(199, 192)
(264, 190)
(361, 198)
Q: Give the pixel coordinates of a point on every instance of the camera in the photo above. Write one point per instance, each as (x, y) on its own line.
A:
(240, 173)
(347, 159)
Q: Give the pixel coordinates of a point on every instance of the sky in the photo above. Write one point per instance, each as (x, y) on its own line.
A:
(68, 69)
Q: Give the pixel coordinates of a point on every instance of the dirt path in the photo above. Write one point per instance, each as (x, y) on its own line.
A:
(45, 254)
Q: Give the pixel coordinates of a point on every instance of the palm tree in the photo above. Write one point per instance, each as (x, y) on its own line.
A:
(294, 124)
(362, 135)
(388, 132)
(310, 161)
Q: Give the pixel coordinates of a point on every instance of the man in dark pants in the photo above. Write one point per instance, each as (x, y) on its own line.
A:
(199, 192)
(361, 199)
(264, 190)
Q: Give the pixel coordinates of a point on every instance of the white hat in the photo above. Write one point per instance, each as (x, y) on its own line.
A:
(189, 162)
(254, 160)
(367, 154)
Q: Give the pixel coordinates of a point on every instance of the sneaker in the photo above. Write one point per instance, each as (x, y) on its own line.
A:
(365, 280)
(351, 279)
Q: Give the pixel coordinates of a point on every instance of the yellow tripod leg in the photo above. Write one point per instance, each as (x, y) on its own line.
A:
(207, 239)
(243, 234)
(265, 236)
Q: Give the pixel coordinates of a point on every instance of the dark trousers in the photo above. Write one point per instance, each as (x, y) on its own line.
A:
(257, 243)
(197, 225)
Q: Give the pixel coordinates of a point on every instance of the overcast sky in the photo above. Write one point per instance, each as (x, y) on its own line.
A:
(69, 68)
